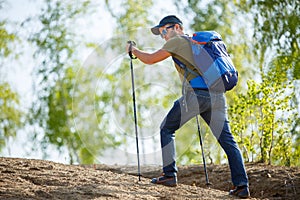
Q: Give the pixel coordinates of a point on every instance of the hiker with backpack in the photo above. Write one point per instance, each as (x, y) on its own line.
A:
(207, 72)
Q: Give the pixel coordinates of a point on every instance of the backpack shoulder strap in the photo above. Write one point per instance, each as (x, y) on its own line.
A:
(183, 66)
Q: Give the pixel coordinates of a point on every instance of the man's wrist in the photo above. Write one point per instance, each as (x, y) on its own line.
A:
(134, 50)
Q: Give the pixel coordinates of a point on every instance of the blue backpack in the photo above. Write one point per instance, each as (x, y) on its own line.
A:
(212, 61)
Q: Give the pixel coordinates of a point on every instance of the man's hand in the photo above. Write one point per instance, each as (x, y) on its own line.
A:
(131, 46)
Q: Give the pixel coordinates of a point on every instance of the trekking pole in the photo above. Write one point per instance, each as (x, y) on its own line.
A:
(203, 157)
(134, 107)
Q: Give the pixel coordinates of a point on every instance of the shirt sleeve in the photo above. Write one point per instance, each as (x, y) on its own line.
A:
(172, 45)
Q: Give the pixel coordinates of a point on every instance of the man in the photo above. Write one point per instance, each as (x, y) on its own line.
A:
(196, 99)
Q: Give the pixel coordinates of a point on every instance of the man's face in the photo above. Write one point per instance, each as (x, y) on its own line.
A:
(167, 31)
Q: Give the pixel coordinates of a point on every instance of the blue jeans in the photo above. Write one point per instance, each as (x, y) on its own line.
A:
(212, 108)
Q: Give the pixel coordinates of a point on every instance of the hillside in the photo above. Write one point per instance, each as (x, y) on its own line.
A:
(40, 179)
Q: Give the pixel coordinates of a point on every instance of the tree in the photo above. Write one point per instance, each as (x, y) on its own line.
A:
(276, 32)
(6, 38)
(60, 100)
(10, 113)
(263, 117)
(276, 26)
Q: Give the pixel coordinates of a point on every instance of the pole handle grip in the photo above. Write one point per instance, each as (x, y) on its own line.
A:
(131, 43)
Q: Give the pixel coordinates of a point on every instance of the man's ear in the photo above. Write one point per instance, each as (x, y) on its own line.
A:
(177, 27)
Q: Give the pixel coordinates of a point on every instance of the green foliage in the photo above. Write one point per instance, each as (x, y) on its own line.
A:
(134, 14)
(277, 25)
(262, 118)
(54, 109)
(10, 113)
(6, 38)
(59, 129)
(276, 30)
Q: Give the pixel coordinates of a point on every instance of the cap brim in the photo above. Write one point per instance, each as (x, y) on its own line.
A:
(155, 30)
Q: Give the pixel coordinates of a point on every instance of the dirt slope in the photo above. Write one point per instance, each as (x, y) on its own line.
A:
(39, 179)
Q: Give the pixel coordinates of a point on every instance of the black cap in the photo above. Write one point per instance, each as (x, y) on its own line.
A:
(170, 19)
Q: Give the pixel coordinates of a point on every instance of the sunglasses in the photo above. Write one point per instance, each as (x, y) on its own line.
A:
(165, 31)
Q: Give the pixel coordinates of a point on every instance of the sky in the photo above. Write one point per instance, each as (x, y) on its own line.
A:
(18, 73)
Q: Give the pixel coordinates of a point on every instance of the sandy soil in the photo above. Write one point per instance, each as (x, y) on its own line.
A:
(40, 179)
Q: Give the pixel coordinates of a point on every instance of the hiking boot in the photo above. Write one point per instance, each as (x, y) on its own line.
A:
(240, 191)
(170, 181)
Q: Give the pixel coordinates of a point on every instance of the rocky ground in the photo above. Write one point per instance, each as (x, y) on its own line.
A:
(40, 179)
